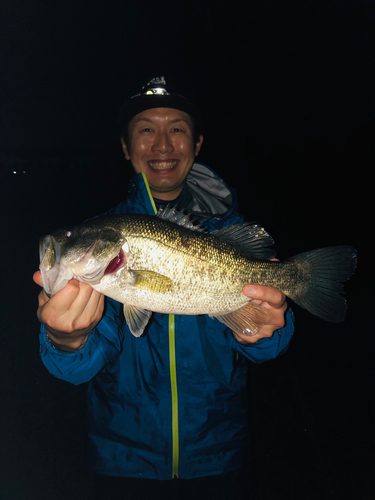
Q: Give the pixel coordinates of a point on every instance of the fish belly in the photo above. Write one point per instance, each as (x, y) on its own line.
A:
(197, 286)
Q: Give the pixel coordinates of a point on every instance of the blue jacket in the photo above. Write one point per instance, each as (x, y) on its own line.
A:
(172, 403)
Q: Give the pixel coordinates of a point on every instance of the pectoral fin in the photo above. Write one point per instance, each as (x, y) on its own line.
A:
(247, 320)
(151, 281)
(136, 319)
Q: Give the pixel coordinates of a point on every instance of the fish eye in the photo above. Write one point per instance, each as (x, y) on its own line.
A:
(68, 234)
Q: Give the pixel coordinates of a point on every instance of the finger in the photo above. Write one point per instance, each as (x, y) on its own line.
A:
(42, 298)
(73, 298)
(96, 306)
(51, 308)
(246, 339)
(86, 309)
(276, 321)
(276, 316)
(37, 277)
(75, 308)
(54, 312)
(274, 297)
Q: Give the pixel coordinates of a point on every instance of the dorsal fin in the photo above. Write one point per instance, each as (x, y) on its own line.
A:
(181, 218)
(249, 238)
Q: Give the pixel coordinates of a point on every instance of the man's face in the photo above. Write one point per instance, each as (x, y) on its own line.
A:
(162, 146)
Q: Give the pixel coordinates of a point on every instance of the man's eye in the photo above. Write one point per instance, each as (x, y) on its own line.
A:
(146, 129)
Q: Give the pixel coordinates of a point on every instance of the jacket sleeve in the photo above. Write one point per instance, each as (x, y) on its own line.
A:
(269, 348)
(103, 345)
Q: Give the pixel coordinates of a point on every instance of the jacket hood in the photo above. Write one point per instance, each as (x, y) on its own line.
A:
(210, 193)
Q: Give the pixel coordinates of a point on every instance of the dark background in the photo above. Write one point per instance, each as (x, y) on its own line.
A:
(287, 91)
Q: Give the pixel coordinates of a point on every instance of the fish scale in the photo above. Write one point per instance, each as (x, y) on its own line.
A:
(173, 267)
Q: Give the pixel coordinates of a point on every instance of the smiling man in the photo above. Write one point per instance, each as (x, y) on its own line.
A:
(162, 146)
(168, 414)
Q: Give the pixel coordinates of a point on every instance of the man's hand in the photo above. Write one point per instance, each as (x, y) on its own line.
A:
(71, 314)
(275, 302)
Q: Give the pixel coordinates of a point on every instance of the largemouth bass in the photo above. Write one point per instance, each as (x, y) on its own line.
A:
(166, 264)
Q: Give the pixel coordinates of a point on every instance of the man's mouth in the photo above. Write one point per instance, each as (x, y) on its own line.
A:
(163, 164)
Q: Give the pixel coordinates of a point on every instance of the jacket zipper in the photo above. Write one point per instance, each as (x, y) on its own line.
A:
(172, 369)
(149, 193)
(173, 373)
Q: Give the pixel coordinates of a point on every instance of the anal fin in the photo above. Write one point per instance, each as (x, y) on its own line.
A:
(247, 320)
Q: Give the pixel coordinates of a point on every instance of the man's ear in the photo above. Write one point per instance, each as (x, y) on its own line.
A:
(198, 145)
(125, 149)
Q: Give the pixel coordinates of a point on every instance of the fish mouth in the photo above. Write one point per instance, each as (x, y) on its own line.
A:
(116, 263)
(163, 164)
(55, 275)
(54, 278)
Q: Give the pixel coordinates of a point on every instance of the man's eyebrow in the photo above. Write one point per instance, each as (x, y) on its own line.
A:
(149, 120)
(176, 120)
(142, 119)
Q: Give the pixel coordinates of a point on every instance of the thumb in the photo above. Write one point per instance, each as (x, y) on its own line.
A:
(37, 277)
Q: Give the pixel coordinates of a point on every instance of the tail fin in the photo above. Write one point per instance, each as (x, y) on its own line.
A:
(323, 272)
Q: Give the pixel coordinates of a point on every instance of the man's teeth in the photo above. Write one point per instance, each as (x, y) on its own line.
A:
(162, 165)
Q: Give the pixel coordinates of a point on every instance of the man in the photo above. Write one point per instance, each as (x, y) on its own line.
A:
(172, 403)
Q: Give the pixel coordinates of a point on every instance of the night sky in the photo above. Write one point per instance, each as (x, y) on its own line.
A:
(287, 93)
(287, 70)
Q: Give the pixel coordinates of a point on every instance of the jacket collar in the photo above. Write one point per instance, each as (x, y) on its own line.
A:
(139, 195)
(211, 195)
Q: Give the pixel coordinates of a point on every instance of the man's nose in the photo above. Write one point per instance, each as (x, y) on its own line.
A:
(162, 143)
